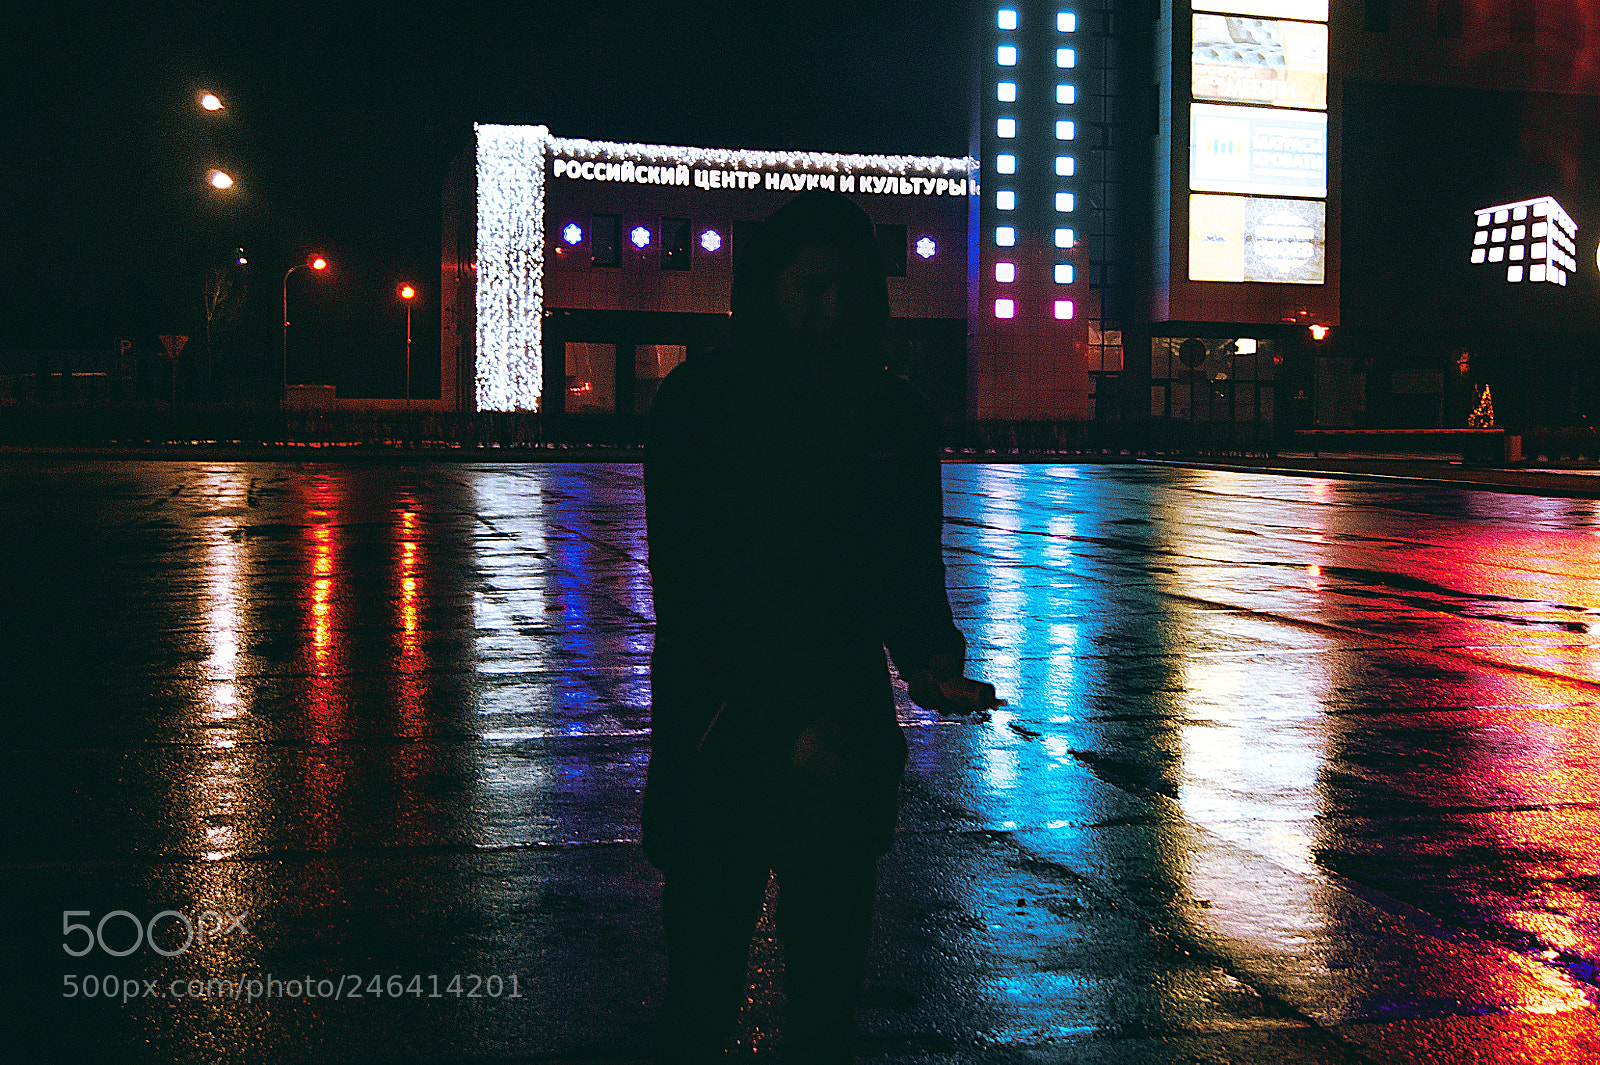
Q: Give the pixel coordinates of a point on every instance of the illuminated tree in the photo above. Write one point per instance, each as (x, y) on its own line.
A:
(1482, 416)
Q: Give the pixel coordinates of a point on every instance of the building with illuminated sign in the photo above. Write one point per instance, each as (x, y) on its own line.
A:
(577, 273)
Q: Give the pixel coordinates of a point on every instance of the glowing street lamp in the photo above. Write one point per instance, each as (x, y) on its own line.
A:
(408, 293)
(318, 264)
(219, 179)
(211, 102)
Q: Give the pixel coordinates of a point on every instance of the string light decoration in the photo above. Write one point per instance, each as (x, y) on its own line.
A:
(748, 159)
(510, 267)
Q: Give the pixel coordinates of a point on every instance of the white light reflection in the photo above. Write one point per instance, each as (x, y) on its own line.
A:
(216, 796)
(224, 594)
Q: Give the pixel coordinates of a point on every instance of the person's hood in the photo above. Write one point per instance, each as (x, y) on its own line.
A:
(811, 219)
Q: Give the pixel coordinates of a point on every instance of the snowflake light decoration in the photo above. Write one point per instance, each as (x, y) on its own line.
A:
(926, 247)
(572, 233)
(640, 237)
(711, 240)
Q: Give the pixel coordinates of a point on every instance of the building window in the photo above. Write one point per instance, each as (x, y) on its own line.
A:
(591, 378)
(1005, 164)
(746, 236)
(651, 364)
(892, 246)
(603, 240)
(674, 244)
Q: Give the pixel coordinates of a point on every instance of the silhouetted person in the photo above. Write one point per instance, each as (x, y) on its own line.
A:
(795, 525)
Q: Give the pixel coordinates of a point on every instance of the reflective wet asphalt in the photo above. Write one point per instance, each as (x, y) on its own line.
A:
(342, 762)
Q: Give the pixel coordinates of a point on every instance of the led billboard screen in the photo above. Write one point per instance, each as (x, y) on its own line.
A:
(1308, 10)
(1262, 61)
(1256, 238)
(1257, 150)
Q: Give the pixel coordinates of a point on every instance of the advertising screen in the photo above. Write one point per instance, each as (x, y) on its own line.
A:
(1256, 149)
(1309, 10)
(1255, 238)
(1261, 61)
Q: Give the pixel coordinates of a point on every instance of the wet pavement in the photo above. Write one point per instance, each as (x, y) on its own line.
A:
(342, 762)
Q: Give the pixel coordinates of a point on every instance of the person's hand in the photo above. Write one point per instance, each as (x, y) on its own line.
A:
(953, 695)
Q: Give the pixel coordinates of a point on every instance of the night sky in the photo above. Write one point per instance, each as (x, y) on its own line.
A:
(341, 120)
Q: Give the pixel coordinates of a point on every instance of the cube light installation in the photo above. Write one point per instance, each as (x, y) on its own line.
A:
(1535, 240)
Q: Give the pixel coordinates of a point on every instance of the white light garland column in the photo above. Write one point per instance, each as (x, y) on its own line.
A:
(509, 363)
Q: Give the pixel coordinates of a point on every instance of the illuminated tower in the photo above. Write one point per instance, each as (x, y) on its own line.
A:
(1030, 307)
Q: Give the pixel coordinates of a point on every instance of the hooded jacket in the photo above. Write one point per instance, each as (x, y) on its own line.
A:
(795, 530)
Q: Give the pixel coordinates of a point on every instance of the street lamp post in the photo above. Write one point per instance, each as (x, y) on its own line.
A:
(315, 262)
(222, 182)
(408, 293)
